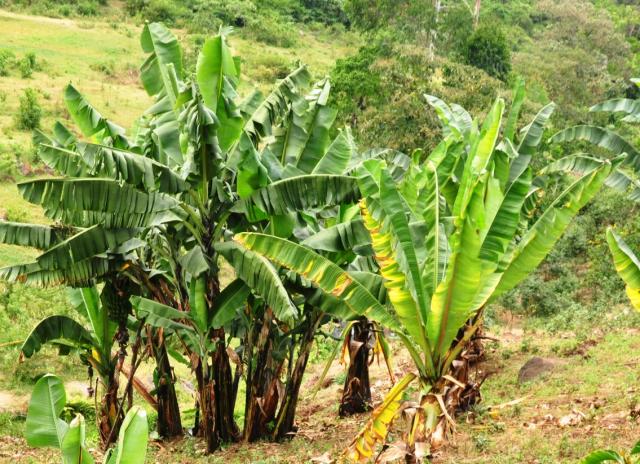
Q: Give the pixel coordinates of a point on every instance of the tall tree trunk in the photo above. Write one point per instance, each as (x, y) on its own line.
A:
(356, 395)
(206, 406)
(285, 423)
(476, 13)
(169, 422)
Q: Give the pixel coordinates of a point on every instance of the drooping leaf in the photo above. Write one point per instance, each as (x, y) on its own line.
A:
(90, 121)
(56, 328)
(32, 235)
(305, 192)
(344, 236)
(260, 275)
(338, 155)
(603, 138)
(603, 456)
(377, 428)
(160, 315)
(531, 135)
(322, 272)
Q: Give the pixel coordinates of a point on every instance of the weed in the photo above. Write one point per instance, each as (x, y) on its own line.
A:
(30, 111)
(481, 442)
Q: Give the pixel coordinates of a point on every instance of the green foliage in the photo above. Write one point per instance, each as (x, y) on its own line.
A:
(46, 428)
(597, 457)
(488, 49)
(30, 111)
(7, 59)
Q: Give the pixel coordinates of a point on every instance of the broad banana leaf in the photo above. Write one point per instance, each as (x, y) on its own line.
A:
(86, 202)
(453, 122)
(600, 456)
(338, 155)
(164, 54)
(44, 428)
(377, 428)
(218, 74)
(531, 135)
(61, 329)
(93, 160)
(627, 265)
(542, 236)
(132, 439)
(344, 236)
(304, 193)
(232, 299)
(260, 275)
(160, 315)
(80, 274)
(90, 121)
(33, 235)
(322, 272)
(519, 93)
(603, 138)
(83, 245)
(618, 105)
(262, 119)
(73, 447)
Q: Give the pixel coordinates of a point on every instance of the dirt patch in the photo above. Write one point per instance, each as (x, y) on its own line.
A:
(10, 402)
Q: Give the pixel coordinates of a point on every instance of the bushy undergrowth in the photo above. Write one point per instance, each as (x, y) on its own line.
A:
(30, 111)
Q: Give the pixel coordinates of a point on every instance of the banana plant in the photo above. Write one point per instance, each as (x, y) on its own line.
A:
(94, 342)
(449, 238)
(597, 457)
(45, 428)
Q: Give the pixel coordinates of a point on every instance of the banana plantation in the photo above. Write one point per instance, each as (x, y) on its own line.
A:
(230, 233)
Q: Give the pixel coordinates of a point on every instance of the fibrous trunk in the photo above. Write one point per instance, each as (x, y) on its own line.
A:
(285, 422)
(215, 397)
(356, 396)
(111, 416)
(169, 422)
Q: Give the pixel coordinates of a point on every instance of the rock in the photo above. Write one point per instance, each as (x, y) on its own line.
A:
(535, 367)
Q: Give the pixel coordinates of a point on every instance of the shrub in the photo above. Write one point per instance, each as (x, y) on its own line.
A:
(7, 60)
(87, 9)
(272, 30)
(30, 111)
(487, 49)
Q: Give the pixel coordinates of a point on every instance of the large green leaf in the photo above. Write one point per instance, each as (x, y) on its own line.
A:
(86, 202)
(618, 105)
(160, 315)
(73, 447)
(542, 236)
(164, 53)
(90, 121)
(344, 236)
(304, 193)
(322, 272)
(518, 93)
(32, 235)
(232, 299)
(603, 138)
(262, 118)
(92, 160)
(627, 265)
(61, 329)
(531, 135)
(217, 75)
(44, 426)
(85, 244)
(600, 456)
(260, 276)
(132, 439)
(80, 274)
(338, 155)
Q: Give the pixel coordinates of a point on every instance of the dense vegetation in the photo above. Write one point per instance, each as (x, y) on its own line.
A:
(252, 214)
